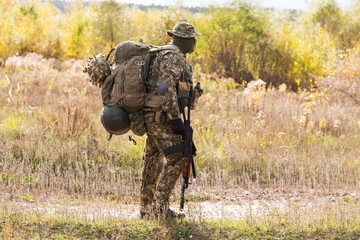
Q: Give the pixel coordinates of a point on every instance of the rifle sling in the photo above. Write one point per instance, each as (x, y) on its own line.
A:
(179, 148)
(174, 149)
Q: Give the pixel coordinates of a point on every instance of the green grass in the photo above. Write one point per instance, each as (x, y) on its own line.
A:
(270, 227)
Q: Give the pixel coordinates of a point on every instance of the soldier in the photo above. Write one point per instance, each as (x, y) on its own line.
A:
(165, 127)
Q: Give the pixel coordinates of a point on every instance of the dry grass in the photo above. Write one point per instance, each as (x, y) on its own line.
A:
(275, 144)
(52, 138)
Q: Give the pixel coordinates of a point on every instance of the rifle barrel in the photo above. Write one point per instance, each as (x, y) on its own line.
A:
(182, 199)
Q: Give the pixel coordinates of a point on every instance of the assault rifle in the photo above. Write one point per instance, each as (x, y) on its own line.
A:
(186, 146)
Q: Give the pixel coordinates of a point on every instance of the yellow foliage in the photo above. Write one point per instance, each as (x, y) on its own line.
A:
(241, 42)
(76, 43)
(322, 123)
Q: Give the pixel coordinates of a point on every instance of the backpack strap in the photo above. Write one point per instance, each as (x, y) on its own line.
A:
(147, 65)
(152, 100)
(109, 53)
(107, 87)
(150, 53)
(161, 48)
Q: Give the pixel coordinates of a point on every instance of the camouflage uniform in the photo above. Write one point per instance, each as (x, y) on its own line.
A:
(157, 181)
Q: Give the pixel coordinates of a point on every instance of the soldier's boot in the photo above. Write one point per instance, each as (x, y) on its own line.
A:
(171, 214)
(149, 216)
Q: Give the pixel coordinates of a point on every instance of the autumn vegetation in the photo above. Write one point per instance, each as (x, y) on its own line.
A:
(297, 132)
(241, 41)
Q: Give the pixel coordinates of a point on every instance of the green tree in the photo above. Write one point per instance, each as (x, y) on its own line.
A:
(349, 34)
(233, 41)
(342, 25)
(167, 20)
(328, 15)
(108, 21)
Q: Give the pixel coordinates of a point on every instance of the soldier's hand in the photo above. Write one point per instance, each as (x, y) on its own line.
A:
(198, 88)
(177, 126)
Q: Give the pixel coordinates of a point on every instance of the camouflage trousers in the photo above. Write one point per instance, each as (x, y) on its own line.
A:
(158, 179)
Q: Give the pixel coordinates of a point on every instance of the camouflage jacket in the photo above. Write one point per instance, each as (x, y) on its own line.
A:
(167, 68)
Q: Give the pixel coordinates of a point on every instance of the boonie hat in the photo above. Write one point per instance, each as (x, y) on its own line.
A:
(183, 30)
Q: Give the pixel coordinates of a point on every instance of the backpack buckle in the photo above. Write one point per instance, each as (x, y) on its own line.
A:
(140, 63)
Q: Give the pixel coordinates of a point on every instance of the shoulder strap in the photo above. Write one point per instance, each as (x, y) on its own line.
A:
(161, 48)
(146, 66)
(109, 53)
(107, 87)
(150, 53)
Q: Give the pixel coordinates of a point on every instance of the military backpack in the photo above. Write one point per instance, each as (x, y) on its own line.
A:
(123, 84)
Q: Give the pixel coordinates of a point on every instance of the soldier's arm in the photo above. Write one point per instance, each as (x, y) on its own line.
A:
(171, 66)
(197, 91)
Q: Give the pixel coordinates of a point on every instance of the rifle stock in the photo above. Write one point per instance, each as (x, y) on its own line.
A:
(186, 167)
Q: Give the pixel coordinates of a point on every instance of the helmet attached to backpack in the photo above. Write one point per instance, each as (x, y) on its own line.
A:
(115, 120)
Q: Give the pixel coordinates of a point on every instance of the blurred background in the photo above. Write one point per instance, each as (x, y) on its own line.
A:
(241, 40)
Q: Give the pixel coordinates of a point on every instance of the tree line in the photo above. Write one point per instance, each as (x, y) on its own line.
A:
(241, 40)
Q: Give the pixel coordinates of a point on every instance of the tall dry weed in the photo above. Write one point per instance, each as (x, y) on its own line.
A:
(52, 138)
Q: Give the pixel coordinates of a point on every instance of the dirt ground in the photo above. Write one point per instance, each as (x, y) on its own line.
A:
(217, 204)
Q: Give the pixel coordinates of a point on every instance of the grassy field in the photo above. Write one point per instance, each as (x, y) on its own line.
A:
(53, 144)
(336, 222)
